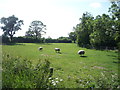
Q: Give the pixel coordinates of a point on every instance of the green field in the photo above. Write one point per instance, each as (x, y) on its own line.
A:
(73, 71)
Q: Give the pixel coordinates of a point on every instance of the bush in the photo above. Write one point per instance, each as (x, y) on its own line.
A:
(5, 39)
(20, 73)
(59, 40)
(102, 81)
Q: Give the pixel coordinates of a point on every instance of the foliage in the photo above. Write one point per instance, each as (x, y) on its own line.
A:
(73, 36)
(64, 40)
(5, 39)
(58, 40)
(21, 40)
(102, 81)
(21, 73)
(84, 29)
(11, 25)
(102, 35)
(102, 31)
(115, 13)
(56, 82)
(36, 29)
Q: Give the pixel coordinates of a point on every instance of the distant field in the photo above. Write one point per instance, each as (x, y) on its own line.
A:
(75, 71)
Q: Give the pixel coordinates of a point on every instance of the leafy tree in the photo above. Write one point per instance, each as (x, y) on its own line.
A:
(11, 25)
(73, 36)
(36, 29)
(115, 10)
(115, 13)
(84, 29)
(102, 31)
(64, 40)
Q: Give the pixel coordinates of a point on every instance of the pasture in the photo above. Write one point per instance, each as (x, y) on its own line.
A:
(96, 69)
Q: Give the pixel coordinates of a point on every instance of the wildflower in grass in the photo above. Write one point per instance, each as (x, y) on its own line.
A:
(118, 86)
(54, 84)
(80, 80)
(69, 77)
(50, 78)
(87, 82)
(116, 74)
(56, 78)
(57, 81)
(61, 79)
(102, 74)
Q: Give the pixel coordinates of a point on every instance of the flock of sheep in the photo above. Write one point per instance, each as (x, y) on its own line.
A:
(80, 52)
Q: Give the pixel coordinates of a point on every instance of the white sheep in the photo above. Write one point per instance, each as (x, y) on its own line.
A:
(40, 48)
(81, 52)
(57, 50)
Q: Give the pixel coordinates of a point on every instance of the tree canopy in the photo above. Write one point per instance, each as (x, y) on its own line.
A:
(10, 24)
(73, 36)
(36, 29)
(102, 30)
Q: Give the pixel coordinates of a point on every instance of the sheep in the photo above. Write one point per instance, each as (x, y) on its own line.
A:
(81, 52)
(57, 50)
(40, 48)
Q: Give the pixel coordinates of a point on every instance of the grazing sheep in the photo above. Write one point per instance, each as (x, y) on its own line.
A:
(40, 48)
(81, 52)
(57, 50)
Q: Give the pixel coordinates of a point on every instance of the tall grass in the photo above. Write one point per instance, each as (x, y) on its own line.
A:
(21, 73)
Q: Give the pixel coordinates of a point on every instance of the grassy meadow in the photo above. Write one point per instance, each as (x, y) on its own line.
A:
(97, 68)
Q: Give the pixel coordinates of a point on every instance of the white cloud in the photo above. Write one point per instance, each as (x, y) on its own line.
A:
(95, 5)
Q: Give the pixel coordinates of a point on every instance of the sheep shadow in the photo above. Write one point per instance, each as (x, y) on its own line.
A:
(59, 52)
(84, 56)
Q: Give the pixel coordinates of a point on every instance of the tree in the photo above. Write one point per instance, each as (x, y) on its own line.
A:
(84, 29)
(36, 29)
(73, 36)
(102, 31)
(11, 25)
(115, 13)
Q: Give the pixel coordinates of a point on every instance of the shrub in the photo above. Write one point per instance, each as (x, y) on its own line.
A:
(21, 73)
(104, 80)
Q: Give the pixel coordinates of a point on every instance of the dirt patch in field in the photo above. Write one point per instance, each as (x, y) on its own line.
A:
(98, 67)
(45, 55)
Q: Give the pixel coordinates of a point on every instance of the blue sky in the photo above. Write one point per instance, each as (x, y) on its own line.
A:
(59, 15)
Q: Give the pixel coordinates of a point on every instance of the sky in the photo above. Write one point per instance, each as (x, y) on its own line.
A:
(59, 16)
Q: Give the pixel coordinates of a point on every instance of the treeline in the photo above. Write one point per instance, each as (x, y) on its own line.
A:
(12, 24)
(58, 40)
(24, 39)
(101, 31)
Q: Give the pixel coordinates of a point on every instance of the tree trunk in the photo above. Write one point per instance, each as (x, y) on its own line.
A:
(11, 38)
(36, 37)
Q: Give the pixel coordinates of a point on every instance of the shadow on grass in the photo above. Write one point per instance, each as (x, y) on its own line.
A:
(112, 55)
(59, 53)
(43, 43)
(116, 61)
(13, 44)
(84, 56)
